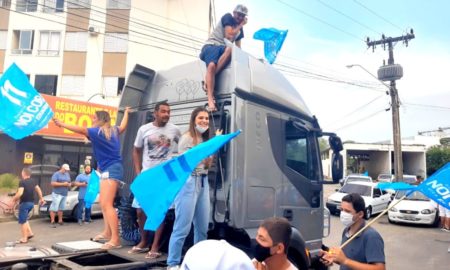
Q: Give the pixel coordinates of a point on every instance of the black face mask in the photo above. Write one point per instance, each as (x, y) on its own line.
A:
(261, 253)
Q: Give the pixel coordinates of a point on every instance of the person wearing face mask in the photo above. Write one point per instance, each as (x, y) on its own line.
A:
(272, 244)
(366, 251)
(192, 202)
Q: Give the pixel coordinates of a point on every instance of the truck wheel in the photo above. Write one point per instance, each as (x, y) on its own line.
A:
(297, 259)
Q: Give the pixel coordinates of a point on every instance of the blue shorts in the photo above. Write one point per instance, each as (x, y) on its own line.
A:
(58, 202)
(24, 209)
(211, 53)
(113, 172)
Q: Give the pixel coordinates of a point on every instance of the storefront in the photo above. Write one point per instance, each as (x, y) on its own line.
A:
(53, 145)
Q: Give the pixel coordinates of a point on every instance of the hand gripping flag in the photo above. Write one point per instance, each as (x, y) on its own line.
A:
(92, 189)
(24, 111)
(436, 187)
(155, 189)
(273, 40)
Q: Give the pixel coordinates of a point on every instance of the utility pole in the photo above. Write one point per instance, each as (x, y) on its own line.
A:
(392, 72)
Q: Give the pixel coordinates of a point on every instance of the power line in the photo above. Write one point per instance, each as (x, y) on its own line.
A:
(427, 106)
(348, 17)
(360, 120)
(320, 20)
(376, 14)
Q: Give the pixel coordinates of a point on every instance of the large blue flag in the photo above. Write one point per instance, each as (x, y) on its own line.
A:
(436, 187)
(155, 189)
(92, 189)
(273, 40)
(24, 110)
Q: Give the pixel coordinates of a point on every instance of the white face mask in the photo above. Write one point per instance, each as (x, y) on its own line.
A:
(346, 219)
(201, 129)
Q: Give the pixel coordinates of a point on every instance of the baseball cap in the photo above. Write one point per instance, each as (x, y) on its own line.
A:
(215, 255)
(241, 9)
(66, 167)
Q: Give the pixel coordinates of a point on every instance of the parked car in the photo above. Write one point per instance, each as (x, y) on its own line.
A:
(410, 179)
(415, 209)
(70, 209)
(385, 177)
(375, 199)
(355, 177)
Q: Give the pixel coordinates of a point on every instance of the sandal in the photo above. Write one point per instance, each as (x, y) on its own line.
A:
(108, 246)
(153, 255)
(30, 236)
(137, 250)
(99, 238)
(20, 241)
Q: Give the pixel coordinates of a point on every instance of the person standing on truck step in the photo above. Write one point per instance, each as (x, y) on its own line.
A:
(153, 145)
(25, 193)
(106, 147)
(366, 251)
(272, 243)
(192, 202)
(216, 54)
(60, 183)
(81, 182)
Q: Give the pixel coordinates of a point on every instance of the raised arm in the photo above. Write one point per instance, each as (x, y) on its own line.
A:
(124, 123)
(76, 129)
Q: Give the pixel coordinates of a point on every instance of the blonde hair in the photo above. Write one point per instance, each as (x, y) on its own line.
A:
(104, 123)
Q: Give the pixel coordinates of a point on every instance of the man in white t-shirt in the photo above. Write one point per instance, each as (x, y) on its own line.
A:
(153, 145)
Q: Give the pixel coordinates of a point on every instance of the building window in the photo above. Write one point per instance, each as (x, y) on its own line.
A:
(72, 85)
(113, 85)
(118, 4)
(26, 5)
(76, 41)
(5, 3)
(3, 35)
(116, 42)
(51, 6)
(46, 84)
(23, 41)
(79, 4)
(49, 43)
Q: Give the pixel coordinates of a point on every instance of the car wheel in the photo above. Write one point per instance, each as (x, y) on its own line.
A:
(436, 221)
(368, 212)
(74, 212)
(390, 221)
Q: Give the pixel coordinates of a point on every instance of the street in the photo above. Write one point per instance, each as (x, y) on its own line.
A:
(406, 246)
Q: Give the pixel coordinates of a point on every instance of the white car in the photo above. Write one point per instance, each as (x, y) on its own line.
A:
(355, 177)
(416, 209)
(375, 199)
(385, 177)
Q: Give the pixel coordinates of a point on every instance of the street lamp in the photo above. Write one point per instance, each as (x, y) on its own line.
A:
(94, 95)
(395, 72)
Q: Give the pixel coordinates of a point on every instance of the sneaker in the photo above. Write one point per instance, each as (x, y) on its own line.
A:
(61, 223)
(87, 222)
(173, 267)
(80, 222)
(53, 224)
(445, 230)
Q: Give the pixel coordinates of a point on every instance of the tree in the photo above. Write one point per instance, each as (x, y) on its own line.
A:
(437, 156)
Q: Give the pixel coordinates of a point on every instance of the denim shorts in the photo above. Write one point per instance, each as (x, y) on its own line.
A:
(24, 209)
(113, 172)
(58, 202)
(211, 53)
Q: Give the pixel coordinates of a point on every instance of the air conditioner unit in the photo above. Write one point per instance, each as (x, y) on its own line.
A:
(93, 30)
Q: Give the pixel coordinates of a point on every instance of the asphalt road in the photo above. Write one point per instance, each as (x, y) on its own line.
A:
(406, 247)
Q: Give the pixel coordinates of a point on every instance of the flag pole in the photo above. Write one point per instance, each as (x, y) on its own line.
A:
(375, 219)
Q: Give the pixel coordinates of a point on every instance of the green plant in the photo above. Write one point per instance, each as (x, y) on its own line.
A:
(9, 181)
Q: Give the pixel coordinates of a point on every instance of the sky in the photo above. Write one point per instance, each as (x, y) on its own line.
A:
(325, 36)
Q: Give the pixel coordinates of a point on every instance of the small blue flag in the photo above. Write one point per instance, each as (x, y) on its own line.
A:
(24, 110)
(155, 189)
(92, 189)
(273, 40)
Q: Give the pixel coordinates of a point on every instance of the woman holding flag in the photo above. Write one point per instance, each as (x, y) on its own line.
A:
(192, 202)
(106, 147)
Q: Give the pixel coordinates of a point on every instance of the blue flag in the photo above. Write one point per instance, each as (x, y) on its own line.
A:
(273, 40)
(24, 110)
(436, 187)
(92, 189)
(155, 189)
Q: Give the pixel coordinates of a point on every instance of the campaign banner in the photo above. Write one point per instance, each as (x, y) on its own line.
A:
(24, 110)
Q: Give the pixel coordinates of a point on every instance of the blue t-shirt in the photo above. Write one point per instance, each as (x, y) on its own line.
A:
(368, 247)
(60, 178)
(82, 178)
(106, 152)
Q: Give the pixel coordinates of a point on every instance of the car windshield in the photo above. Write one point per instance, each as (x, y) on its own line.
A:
(409, 179)
(415, 196)
(356, 178)
(384, 176)
(359, 189)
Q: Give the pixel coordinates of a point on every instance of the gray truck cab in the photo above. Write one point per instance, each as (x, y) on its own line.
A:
(273, 168)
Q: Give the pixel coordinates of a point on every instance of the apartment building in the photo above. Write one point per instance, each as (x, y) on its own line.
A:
(81, 51)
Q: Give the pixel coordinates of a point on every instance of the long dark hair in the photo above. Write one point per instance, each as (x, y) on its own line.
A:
(192, 131)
